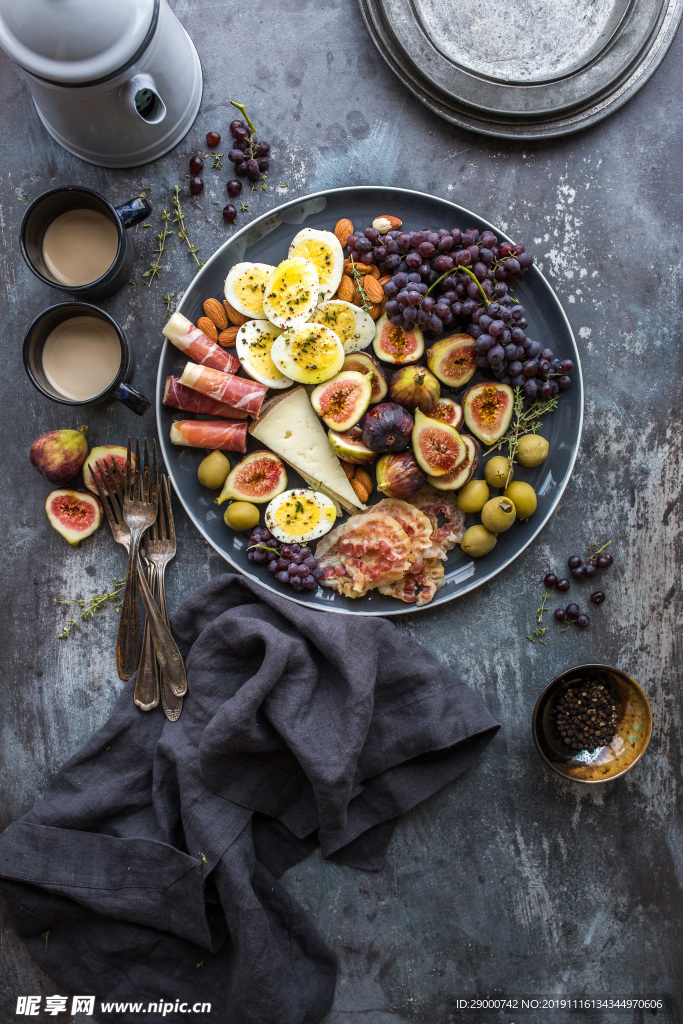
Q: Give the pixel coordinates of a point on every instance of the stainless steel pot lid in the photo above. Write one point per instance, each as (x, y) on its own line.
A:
(523, 68)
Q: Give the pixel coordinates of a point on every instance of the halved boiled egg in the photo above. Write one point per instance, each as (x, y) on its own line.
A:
(308, 354)
(324, 251)
(300, 515)
(353, 325)
(291, 293)
(253, 344)
(244, 288)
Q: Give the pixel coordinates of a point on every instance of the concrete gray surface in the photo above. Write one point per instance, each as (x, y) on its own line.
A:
(510, 881)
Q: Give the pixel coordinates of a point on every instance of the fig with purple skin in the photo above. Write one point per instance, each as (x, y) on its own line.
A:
(387, 428)
(258, 477)
(415, 387)
(399, 476)
(349, 446)
(59, 454)
(101, 456)
(73, 514)
(361, 362)
(438, 448)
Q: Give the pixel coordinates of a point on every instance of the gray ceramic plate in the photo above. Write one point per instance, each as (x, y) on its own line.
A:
(266, 240)
(522, 68)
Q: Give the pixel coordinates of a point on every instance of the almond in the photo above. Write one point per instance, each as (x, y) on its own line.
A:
(362, 268)
(216, 313)
(362, 477)
(343, 229)
(207, 327)
(346, 290)
(348, 468)
(374, 289)
(376, 311)
(233, 316)
(228, 337)
(385, 280)
(362, 493)
(385, 222)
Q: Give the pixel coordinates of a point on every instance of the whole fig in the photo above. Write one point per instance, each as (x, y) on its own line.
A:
(399, 476)
(387, 428)
(59, 454)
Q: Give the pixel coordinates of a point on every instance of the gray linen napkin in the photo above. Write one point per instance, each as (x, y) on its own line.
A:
(158, 846)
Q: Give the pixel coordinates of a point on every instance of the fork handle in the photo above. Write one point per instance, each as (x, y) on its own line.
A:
(128, 640)
(169, 657)
(146, 694)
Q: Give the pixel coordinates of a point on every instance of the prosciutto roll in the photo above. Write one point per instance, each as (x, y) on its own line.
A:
(197, 346)
(224, 435)
(177, 396)
(237, 392)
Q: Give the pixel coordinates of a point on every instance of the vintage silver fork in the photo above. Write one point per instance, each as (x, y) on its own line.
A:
(147, 682)
(160, 548)
(139, 512)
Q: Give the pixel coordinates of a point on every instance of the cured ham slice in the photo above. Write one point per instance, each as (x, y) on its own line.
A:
(237, 392)
(197, 346)
(221, 435)
(434, 503)
(177, 396)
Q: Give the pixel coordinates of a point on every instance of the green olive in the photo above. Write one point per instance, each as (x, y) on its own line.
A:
(523, 497)
(241, 515)
(498, 514)
(496, 471)
(478, 541)
(532, 450)
(473, 496)
(213, 470)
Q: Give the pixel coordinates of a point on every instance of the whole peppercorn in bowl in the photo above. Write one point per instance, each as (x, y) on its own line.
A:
(592, 723)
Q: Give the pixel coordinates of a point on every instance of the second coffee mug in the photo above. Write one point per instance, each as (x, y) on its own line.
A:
(73, 239)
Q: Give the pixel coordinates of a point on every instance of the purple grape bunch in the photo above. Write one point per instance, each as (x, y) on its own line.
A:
(443, 279)
(294, 564)
(250, 157)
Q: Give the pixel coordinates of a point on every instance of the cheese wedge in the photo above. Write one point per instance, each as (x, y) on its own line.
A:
(289, 426)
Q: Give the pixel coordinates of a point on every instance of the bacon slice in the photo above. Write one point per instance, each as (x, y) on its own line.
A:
(434, 503)
(418, 588)
(197, 346)
(369, 551)
(222, 435)
(413, 522)
(237, 392)
(177, 396)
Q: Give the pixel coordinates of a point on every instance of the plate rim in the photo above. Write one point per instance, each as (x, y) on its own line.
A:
(158, 407)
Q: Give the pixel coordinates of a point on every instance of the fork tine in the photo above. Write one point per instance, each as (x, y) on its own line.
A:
(116, 477)
(169, 510)
(128, 472)
(114, 498)
(105, 501)
(144, 483)
(137, 478)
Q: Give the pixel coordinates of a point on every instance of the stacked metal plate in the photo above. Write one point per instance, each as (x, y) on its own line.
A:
(523, 69)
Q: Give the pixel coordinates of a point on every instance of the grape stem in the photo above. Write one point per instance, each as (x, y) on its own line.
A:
(263, 547)
(245, 115)
(487, 301)
(439, 279)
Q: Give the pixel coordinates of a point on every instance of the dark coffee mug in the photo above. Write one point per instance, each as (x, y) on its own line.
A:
(50, 205)
(34, 344)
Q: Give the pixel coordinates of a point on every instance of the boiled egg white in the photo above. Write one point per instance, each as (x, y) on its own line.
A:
(300, 515)
(244, 288)
(253, 344)
(324, 251)
(291, 293)
(308, 354)
(353, 325)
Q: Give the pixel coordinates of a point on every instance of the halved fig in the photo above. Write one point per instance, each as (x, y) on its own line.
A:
(463, 473)
(395, 345)
(342, 400)
(74, 514)
(438, 448)
(415, 387)
(399, 476)
(453, 360)
(103, 453)
(488, 409)
(349, 446)
(258, 477)
(361, 362)
(449, 412)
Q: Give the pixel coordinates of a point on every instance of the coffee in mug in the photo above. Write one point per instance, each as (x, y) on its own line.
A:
(81, 357)
(79, 246)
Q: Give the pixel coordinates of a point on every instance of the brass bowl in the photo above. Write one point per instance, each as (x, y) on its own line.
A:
(634, 727)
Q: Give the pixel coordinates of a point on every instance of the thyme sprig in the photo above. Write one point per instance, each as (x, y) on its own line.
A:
(217, 161)
(168, 301)
(545, 597)
(524, 421)
(89, 607)
(179, 219)
(155, 268)
(358, 281)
